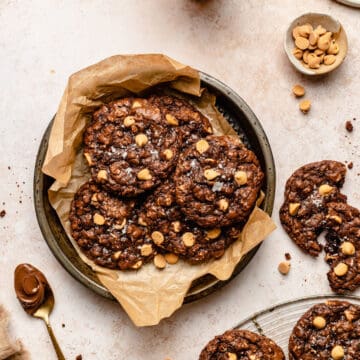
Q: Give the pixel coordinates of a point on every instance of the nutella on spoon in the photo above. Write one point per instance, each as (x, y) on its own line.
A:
(31, 287)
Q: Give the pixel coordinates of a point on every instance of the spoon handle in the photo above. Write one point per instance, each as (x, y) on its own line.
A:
(58, 351)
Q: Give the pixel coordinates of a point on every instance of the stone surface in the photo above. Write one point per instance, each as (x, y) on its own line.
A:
(239, 42)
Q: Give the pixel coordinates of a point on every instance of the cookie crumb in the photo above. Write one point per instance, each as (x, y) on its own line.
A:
(287, 256)
(350, 165)
(79, 357)
(2, 213)
(9, 168)
(63, 325)
(349, 126)
(284, 267)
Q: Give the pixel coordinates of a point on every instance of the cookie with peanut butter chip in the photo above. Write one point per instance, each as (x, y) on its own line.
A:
(327, 331)
(241, 345)
(174, 234)
(107, 231)
(133, 143)
(217, 181)
(343, 247)
(307, 193)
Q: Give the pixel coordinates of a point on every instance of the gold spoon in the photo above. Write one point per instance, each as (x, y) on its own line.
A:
(43, 313)
(36, 297)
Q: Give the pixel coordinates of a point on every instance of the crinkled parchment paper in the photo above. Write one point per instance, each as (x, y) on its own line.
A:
(147, 295)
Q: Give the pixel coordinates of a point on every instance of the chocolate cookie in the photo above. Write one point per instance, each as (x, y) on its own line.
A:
(307, 193)
(217, 181)
(327, 331)
(241, 345)
(106, 229)
(172, 232)
(343, 247)
(133, 143)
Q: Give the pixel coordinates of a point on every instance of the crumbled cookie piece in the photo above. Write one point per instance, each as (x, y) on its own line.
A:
(349, 126)
(2, 213)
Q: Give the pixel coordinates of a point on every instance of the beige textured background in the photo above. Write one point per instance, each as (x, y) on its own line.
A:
(239, 42)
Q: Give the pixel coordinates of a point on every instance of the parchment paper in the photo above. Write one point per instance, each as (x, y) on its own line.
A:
(148, 294)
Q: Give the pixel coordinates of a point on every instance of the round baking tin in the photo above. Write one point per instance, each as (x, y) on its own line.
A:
(244, 122)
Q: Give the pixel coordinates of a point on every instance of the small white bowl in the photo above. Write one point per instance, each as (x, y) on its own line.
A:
(330, 24)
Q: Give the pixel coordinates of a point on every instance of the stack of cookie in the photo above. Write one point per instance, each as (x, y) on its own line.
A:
(313, 204)
(162, 186)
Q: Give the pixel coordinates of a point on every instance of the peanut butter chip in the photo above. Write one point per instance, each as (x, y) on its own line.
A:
(102, 175)
(189, 239)
(176, 226)
(202, 145)
(341, 269)
(240, 177)
(337, 352)
(294, 208)
(305, 106)
(129, 120)
(172, 120)
(94, 198)
(157, 237)
(142, 222)
(211, 174)
(298, 90)
(319, 322)
(347, 248)
(137, 265)
(302, 43)
(349, 315)
(159, 261)
(141, 139)
(168, 154)
(336, 218)
(99, 219)
(116, 255)
(171, 258)
(144, 174)
(325, 189)
(146, 250)
(88, 159)
(284, 267)
(213, 233)
(120, 226)
(136, 104)
(223, 204)
(231, 356)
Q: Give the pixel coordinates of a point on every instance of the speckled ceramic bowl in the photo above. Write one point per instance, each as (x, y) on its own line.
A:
(245, 123)
(330, 24)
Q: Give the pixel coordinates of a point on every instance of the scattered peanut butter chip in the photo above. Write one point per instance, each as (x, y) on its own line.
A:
(349, 315)
(202, 145)
(298, 90)
(98, 219)
(146, 250)
(284, 267)
(341, 269)
(347, 248)
(189, 239)
(168, 154)
(141, 139)
(137, 265)
(136, 104)
(94, 198)
(159, 261)
(211, 174)
(88, 159)
(142, 222)
(172, 120)
(231, 356)
(128, 121)
(325, 189)
(302, 43)
(157, 237)
(240, 177)
(120, 226)
(337, 352)
(319, 322)
(305, 106)
(102, 175)
(294, 208)
(171, 258)
(144, 174)
(329, 59)
(116, 255)
(223, 204)
(213, 233)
